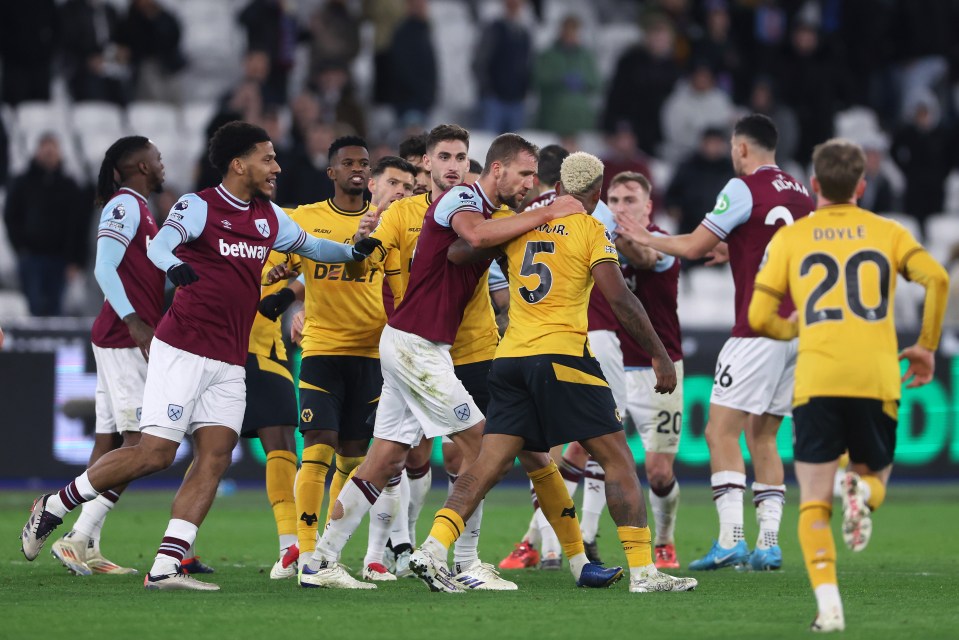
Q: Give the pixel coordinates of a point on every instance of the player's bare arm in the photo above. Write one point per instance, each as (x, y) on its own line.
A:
(691, 246)
(638, 255)
(632, 315)
(481, 233)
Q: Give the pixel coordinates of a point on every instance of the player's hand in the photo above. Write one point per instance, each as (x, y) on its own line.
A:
(564, 206)
(922, 364)
(296, 327)
(363, 248)
(182, 275)
(1, 338)
(665, 372)
(632, 229)
(141, 333)
(278, 273)
(273, 305)
(367, 223)
(719, 255)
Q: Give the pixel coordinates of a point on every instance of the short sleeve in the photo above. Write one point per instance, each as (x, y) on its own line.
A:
(665, 261)
(455, 200)
(187, 217)
(497, 280)
(605, 215)
(773, 276)
(733, 207)
(602, 248)
(289, 236)
(120, 219)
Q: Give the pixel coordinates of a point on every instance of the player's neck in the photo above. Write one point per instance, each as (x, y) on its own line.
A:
(347, 201)
(488, 184)
(822, 202)
(140, 187)
(754, 164)
(237, 189)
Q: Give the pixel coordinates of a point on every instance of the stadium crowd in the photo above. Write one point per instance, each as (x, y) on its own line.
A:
(647, 86)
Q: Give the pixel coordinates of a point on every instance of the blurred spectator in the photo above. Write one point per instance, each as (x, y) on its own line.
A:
(385, 16)
(272, 28)
(4, 153)
(695, 105)
(867, 29)
(880, 194)
(922, 150)
(411, 68)
(503, 68)
(811, 86)
(28, 37)
(337, 99)
(412, 149)
(305, 181)
(305, 111)
(335, 36)
(922, 35)
(762, 99)
(717, 47)
(698, 178)
(47, 215)
(152, 35)
(567, 80)
(95, 65)
(644, 77)
(623, 154)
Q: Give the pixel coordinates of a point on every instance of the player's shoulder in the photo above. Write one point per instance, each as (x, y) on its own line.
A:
(187, 204)
(121, 205)
(412, 205)
(460, 195)
(312, 209)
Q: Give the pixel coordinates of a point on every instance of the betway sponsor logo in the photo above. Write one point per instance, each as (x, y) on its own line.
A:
(243, 250)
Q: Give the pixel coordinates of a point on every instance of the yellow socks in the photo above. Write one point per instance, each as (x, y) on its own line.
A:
(637, 545)
(447, 527)
(280, 476)
(345, 468)
(818, 547)
(877, 491)
(310, 482)
(558, 508)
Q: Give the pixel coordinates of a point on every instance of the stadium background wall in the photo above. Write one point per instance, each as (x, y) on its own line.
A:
(47, 378)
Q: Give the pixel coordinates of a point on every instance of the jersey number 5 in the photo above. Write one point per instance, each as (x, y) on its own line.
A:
(853, 286)
(540, 269)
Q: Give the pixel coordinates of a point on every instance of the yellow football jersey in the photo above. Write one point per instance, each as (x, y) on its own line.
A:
(344, 316)
(398, 230)
(840, 265)
(265, 336)
(550, 278)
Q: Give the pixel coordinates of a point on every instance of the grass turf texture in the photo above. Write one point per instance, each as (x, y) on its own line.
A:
(905, 584)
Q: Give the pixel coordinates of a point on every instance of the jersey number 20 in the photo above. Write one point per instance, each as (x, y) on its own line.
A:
(853, 286)
(540, 269)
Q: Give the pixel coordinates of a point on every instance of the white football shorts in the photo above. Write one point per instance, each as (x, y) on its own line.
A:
(421, 393)
(185, 392)
(606, 348)
(756, 375)
(121, 375)
(658, 417)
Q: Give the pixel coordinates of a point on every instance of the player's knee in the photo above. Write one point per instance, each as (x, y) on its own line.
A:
(659, 478)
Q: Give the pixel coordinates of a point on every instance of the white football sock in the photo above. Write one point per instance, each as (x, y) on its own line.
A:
(419, 487)
(549, 540)
(177, 541)
(381, 522)
(594, 500)
(400, 534)
(664, 513)
(92, 515)
(769, 500)
(728, 490)
(356, 499)
(466, 549)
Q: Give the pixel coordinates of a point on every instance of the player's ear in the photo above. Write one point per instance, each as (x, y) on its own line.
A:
(860, 188)
(816, 187)
(426, 162)
(238, 166)
(369, 185)
(330, 174)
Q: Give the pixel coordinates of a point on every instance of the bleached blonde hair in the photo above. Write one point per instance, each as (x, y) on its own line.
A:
(579, 172)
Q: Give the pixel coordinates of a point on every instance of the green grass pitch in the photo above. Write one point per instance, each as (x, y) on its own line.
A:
(906, 584)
